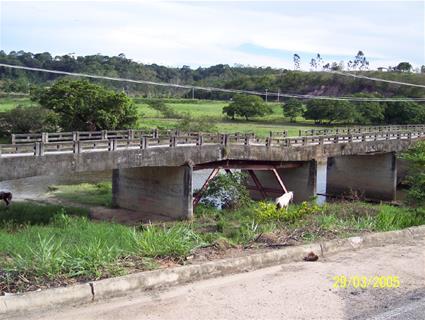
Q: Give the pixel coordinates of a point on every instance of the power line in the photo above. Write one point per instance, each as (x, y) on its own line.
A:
(359, 76)
(191, 87)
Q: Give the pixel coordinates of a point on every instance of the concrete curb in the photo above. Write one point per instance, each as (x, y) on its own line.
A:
(115, 287)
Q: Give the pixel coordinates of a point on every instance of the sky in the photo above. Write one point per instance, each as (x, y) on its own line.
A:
(202, 33)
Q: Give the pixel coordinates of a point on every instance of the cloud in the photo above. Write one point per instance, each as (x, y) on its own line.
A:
(178, 33)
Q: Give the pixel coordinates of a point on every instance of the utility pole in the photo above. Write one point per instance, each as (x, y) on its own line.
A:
(193, 93)
(266, 94)
(278, 94)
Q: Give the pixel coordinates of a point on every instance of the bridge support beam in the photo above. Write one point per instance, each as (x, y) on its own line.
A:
(368, 176)
(301, 180)
(151, 191)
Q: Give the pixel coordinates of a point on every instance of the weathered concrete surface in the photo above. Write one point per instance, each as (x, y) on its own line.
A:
(368, 176)
(298, 290)
(61, 164)
(165, 191)
(301, 180)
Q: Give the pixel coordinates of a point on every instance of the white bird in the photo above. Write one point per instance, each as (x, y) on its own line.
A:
(283, 200)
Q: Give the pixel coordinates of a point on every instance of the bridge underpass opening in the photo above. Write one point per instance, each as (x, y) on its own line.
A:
(371, 177)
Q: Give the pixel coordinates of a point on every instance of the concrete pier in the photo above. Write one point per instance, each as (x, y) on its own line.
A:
(301, 180)
(367, 176)
(165, 191)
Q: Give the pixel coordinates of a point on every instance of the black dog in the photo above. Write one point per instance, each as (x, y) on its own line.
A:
(6, 196)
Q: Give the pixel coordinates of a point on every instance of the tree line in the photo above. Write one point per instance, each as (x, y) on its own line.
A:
(332, 111)
(221, 75)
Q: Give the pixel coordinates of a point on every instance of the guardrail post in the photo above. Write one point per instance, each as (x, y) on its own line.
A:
(409, 135)
(143, 142)
(246, 142)
(363, 137)
(130, 134)
(224, 139)
(336, 139)
(200, 140)
(173, 141)
(321, 140)
(44, 137)
(268, 142)
(155, 133)
(304, 141)
(104, 134)
(350, 138)
(75, 135)
(77, 146)
(300, 133)
(13, 138)
(112, 145)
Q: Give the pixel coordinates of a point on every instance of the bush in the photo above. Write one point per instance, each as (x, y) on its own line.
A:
(26, 120)
(268, 211)
(416, 173)
(227, 191)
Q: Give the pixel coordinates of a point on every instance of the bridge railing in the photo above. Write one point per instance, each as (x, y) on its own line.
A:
(40, 148)
(19, 138)
(361, 129)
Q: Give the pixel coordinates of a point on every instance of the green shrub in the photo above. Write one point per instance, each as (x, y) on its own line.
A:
(227, 191)
(267, 211)
(416, 174)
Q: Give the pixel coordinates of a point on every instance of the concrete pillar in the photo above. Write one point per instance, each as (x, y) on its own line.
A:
(301, 180)
(368, 176)
(165, 191)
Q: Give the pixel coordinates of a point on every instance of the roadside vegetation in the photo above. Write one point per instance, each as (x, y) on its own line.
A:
(50, 245)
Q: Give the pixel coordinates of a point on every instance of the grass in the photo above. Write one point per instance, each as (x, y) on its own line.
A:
(99, 194)
(150, 118)
(48, 245)
(8, 103)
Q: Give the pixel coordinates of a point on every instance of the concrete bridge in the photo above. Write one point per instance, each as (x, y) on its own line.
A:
(152, 173)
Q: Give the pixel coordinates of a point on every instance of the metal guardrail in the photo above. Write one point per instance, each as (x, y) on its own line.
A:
(41, 148)
(362, 129)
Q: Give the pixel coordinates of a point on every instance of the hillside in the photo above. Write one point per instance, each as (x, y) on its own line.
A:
(225, 76)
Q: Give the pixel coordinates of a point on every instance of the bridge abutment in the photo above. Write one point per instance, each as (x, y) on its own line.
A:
(165, 191)
(367, 176)
(300, 179)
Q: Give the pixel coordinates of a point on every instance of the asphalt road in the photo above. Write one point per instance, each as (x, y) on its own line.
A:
(301, 290)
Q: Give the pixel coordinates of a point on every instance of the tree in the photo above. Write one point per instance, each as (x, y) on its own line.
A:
(297, 61)
(404, 67)
(404, 112)
(331, 110)
(246, 106)
(360, 61)
(293, 109)
(423, 69)
(313, 64)
(81, 105)
(369, 112)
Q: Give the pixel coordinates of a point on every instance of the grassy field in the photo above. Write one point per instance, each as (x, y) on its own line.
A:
(150, 118)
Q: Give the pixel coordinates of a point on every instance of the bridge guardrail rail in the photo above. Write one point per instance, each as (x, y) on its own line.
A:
(40, 148)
